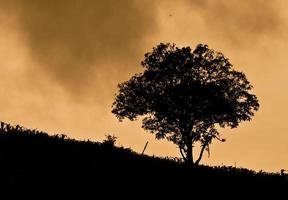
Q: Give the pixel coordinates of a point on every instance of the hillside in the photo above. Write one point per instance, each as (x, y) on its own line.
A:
(34, 158)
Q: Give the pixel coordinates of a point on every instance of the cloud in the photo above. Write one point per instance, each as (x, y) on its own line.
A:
(239, 20)
(75, 43)
(86, 45)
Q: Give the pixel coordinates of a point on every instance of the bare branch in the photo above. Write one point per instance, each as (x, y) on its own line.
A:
(201, 153)
(182, 154)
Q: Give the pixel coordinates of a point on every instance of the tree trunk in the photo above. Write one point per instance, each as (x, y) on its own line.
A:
(189, 153)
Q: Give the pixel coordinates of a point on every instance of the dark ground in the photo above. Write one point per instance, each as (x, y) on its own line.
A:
(33, 160)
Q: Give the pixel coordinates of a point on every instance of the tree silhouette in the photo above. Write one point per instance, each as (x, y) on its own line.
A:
(184, 94)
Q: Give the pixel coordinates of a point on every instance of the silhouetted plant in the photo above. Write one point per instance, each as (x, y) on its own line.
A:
(110, 140)
(184, 94)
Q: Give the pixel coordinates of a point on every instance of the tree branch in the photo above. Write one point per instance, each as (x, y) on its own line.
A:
(182, 154)
(201, 153)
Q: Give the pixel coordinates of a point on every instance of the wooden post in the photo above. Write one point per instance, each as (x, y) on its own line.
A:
(144, 148)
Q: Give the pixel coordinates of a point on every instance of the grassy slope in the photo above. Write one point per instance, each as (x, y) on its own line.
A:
(33, 158)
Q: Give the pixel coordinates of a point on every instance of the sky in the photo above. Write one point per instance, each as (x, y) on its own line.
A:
(61, 61)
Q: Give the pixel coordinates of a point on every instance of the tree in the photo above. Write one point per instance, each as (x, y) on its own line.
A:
(184, 94)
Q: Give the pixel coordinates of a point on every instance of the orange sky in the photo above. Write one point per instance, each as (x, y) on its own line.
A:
(60, 62)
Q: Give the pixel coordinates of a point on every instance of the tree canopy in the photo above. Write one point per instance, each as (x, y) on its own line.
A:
(184, 94)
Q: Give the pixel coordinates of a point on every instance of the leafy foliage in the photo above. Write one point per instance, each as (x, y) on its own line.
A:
(184, 94)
